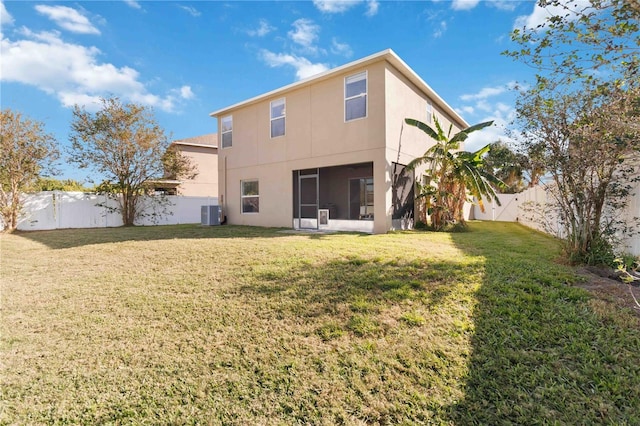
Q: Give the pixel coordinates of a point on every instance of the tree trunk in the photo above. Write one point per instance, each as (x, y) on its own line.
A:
(12, 224)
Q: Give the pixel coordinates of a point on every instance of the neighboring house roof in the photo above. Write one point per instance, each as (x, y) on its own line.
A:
(388, 55)
(204, 141)
(165, 182)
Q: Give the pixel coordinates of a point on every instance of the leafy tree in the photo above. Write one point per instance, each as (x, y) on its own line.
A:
(580, 119)
(51, 184)
(595, 43)
(124, 143)
(508, 166)
(452, 174)
(25, 152)
(177, 166)
(590, 148)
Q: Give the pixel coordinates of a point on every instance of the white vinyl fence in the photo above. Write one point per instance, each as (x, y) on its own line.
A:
(528, 208)
(61, 210)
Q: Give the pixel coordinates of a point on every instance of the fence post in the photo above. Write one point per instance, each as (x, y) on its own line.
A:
(57, 199)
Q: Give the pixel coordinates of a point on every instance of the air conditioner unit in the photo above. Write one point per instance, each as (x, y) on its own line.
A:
(210, 215)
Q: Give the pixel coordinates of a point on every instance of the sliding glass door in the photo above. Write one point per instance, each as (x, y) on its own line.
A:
(361, 199)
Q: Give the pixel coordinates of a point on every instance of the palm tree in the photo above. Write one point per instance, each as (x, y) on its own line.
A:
(452, 175)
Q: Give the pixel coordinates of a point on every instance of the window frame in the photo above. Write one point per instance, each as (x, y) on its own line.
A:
(429, 111)
(365, 73)
(366, 202)
(226, 132)
(280, 117)
(243, 196)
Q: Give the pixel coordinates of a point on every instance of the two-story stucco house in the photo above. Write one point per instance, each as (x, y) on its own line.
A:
(329, 151)
(202, 152)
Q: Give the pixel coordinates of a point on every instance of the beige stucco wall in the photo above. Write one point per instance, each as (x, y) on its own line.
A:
(276, 188)
(205, 184)
(317, 136)
(404, 142)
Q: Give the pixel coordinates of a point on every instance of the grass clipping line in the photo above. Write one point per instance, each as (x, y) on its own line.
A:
(239, 325)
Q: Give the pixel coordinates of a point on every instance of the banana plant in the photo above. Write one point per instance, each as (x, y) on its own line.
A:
(453, 176)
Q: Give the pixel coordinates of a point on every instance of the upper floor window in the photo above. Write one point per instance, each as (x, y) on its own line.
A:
(227, 131)
(278, 111)
(429, 111)
(355, 96)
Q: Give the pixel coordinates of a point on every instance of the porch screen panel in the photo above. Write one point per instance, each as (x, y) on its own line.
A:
(403, 192)
(309, 198)
(308, 191)
(308, 212)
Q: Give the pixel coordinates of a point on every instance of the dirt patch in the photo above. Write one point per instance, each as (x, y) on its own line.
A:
(610, 290)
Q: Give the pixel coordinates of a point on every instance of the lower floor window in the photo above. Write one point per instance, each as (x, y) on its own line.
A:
(250, 194)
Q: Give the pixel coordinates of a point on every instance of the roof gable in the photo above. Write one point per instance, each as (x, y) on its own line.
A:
(386, 55)
(206, 141)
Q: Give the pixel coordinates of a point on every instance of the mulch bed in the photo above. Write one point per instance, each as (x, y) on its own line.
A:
(603, 287)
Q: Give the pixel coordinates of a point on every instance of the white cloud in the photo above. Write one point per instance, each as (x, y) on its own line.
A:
(539, 15)
(263, 29)
(487, 92)
(490, 103)
(508, 5)
(440, 29)
(73, 73)
(335, 6)
(304, 68)
(372, 8)
(305, 33)
(343, 49)
(503, 108)
(68, 99)
(501, 118)
(186, 92)
(491, 134)
(341, 6)
(133, 4)
(68, 18)
(190, 10)
(464, 4)
(483, 105)
(465, 110)
(5, 17)
(484, 93)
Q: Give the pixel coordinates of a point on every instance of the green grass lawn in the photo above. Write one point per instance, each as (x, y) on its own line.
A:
(237, 325)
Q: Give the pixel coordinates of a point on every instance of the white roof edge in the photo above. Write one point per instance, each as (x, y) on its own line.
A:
(166, 181)
(388, 54)
(201, 145)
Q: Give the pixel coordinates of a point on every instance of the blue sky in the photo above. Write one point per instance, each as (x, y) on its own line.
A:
(187, 59)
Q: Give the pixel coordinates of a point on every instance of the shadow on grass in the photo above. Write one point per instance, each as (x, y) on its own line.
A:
(68, 238)
(365, 284)
(542, 351)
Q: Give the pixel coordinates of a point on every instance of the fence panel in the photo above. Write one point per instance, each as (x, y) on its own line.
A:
(507, 211)
(60, 210)
(530, 208)
(633, 216)
(38, 212)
